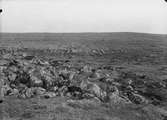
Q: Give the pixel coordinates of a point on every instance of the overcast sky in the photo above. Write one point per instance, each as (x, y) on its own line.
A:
(148, 16)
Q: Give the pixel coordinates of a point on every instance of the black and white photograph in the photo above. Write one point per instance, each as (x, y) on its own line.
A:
(83, 59)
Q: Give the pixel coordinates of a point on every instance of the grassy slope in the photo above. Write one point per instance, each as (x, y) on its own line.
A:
(119, 47)
(85, 40)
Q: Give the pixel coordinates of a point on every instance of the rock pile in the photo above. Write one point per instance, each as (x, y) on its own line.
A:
(29, 76)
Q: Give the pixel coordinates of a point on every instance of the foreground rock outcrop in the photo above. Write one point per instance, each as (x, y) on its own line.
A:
(26, 76)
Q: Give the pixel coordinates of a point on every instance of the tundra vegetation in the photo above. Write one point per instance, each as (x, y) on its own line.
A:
(84, 76)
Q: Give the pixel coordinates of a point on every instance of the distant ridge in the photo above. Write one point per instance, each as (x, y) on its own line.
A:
(94, 34)
(80, 33)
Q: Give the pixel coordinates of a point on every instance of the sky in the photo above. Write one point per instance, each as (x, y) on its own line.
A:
(148, 16)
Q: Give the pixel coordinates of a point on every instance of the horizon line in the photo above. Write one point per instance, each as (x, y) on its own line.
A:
(76, 33)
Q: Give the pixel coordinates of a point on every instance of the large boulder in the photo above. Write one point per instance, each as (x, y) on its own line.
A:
(94, 89)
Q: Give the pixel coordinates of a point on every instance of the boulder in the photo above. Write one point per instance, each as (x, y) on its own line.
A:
(75, 92)
(28, 57)
(29, 92)
(48, 81)
(3, 62)
(97, 75)
(54, 89)
(36, 82)
(23, 78)
(65, 74)
(14, 91)
(94, 89)
(12, 68)
(136, 98)
(63, 90)
(49, 95)
(39, 91)
(7, 56)
(12, 76)
(72, 75)
(87, 69)
(87, 95)
(6, 89)
(116, 99)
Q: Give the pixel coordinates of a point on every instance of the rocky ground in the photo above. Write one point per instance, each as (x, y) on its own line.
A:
(120, 84)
